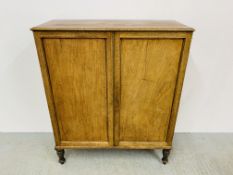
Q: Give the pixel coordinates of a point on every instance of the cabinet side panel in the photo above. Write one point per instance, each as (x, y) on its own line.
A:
(47, 86)
(149, 69)
(179, 85)
(77, 69)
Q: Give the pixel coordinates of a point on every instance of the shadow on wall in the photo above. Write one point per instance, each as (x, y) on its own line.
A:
(23, 104)
(190, 98)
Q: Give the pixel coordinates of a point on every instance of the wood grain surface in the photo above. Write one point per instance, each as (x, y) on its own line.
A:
(111, 88)
(113, 25)
(78, 75)
(148, 77)
(78, 68)
(145, 86)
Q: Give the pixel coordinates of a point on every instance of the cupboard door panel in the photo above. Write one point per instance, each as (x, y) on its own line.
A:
(78, 70)
(147, 78)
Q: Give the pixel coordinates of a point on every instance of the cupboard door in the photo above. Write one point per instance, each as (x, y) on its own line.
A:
(80, 71)
(146, 70)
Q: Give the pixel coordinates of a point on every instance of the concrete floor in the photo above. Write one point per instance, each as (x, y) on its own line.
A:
(192, 154)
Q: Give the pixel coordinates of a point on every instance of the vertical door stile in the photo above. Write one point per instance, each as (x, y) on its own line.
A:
(109, 61)
(117, 87)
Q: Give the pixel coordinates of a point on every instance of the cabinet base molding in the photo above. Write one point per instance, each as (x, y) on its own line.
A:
(122, 145)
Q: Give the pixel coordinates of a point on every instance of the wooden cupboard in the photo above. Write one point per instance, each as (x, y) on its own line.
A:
(113, 84)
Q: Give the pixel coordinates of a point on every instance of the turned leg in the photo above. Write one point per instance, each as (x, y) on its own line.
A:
(60, 153)
(166, 153)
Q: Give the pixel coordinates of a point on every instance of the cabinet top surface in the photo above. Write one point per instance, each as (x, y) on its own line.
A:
(112, 25)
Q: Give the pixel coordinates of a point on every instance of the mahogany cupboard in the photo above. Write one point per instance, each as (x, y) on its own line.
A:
(113, 84)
